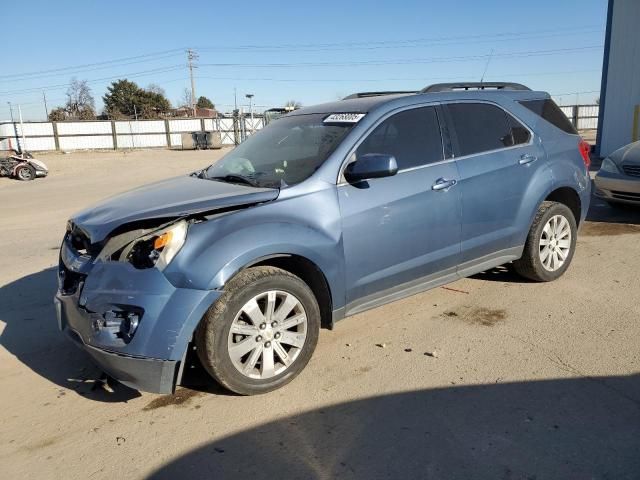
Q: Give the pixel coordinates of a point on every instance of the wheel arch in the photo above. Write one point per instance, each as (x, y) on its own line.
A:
(567, 196)
(308, 271)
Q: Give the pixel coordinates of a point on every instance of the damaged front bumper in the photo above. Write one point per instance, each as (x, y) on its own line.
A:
(134, 323)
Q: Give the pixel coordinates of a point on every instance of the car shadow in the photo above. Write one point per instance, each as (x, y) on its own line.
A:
(554, 429)
(31, 334)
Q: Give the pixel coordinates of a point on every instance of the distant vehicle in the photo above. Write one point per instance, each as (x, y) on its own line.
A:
(22, 166)
(618, 181)
(327, 212)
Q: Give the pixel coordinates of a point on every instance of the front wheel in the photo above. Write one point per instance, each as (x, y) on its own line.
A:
(25, 173)
(550, 244)
(261, 332)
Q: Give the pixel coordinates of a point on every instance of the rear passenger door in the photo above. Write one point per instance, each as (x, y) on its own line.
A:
(497, 160)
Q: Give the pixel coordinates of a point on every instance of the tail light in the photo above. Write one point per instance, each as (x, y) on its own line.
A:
(585, 149)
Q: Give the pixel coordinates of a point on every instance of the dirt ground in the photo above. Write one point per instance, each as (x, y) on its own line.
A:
(489, 377)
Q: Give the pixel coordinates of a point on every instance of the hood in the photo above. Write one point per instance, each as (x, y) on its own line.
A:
(629, 154)
(171, 198)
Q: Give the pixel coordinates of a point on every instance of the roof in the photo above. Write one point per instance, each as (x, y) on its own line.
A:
(369, 103)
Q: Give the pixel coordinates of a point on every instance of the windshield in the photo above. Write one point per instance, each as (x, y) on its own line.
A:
(284, 153)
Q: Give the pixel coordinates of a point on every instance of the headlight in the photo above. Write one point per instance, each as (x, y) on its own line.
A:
(609, 166)
(156, 249)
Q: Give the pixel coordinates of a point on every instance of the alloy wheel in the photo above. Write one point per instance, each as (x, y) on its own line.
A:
(555, 243)
(267, 335)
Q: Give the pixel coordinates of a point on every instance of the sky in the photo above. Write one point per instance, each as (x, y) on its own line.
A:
(311, 52)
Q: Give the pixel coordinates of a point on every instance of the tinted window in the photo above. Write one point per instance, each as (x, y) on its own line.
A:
(548, 110)
(412, 136)
(519, 133)
(480, 127)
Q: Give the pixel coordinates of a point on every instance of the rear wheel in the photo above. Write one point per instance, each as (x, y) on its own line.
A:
(261, 333)
(25, 173)
(550, 244)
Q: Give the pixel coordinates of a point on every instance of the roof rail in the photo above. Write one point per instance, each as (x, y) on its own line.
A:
(376, 94)
(449, 87)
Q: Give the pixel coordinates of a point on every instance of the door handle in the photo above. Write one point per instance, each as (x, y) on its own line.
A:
(527, 158)
(443, 184)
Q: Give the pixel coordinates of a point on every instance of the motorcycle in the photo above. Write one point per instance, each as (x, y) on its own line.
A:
(22, 166)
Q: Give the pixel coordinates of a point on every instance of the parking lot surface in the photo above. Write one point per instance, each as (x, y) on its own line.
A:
(489, 377)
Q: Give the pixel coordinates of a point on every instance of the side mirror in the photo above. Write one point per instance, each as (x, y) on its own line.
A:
(371, 165)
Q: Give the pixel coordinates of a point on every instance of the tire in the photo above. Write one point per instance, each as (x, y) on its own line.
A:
(25, 173)
(531, 264)
(248, 373)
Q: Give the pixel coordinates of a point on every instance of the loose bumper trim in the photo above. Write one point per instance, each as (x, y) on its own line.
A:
(146, 374)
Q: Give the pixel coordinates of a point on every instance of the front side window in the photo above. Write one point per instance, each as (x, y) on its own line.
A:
(412, 137)
(287, 151)
(480, 127)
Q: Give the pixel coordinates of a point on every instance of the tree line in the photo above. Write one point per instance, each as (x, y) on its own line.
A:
(124, 99)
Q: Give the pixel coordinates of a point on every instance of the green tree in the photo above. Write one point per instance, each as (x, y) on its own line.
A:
(125, 99)
(204, 102)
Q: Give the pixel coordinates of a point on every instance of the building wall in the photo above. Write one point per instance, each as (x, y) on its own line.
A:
(621, 75)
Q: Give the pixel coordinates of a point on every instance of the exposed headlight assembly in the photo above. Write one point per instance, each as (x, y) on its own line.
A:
(153, 249)
(609, 166)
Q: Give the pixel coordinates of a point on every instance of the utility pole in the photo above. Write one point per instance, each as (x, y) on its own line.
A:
(23, 147)
(46, 110)
(15, 128)
(191, 57)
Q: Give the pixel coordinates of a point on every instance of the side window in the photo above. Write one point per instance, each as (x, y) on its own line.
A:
(547, 109)
(480, 127)
(519, 133)
(412, 136)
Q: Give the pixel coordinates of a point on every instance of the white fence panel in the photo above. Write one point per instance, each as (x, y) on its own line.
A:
(83, 128)
(226, 124)
(208, 124)
(142, 141)
(7, 130)
(86, 143)
(35, 129)
(184, 126)
(38, 143)
(144, 126)
(176, 140)
(227, 138)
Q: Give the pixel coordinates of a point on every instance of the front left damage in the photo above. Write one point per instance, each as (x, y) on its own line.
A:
(134, 322)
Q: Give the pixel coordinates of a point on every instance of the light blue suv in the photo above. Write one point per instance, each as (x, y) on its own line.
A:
(329, 211)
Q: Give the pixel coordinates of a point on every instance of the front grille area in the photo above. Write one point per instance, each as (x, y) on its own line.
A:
(631, 170)
(625, 195)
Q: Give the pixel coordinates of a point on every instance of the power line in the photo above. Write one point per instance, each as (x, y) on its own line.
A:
(531, 53)
(87, 65)
(394, 79)
(96, 80)
(371, 44)
(76, 72)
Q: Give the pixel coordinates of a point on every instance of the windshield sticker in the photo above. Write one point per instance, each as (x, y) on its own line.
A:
(344, 118)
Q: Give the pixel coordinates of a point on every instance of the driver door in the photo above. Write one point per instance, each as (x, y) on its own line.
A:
(401, 234)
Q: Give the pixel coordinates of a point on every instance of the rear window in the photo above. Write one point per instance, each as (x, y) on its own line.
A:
(480, 127)
(548, 110)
